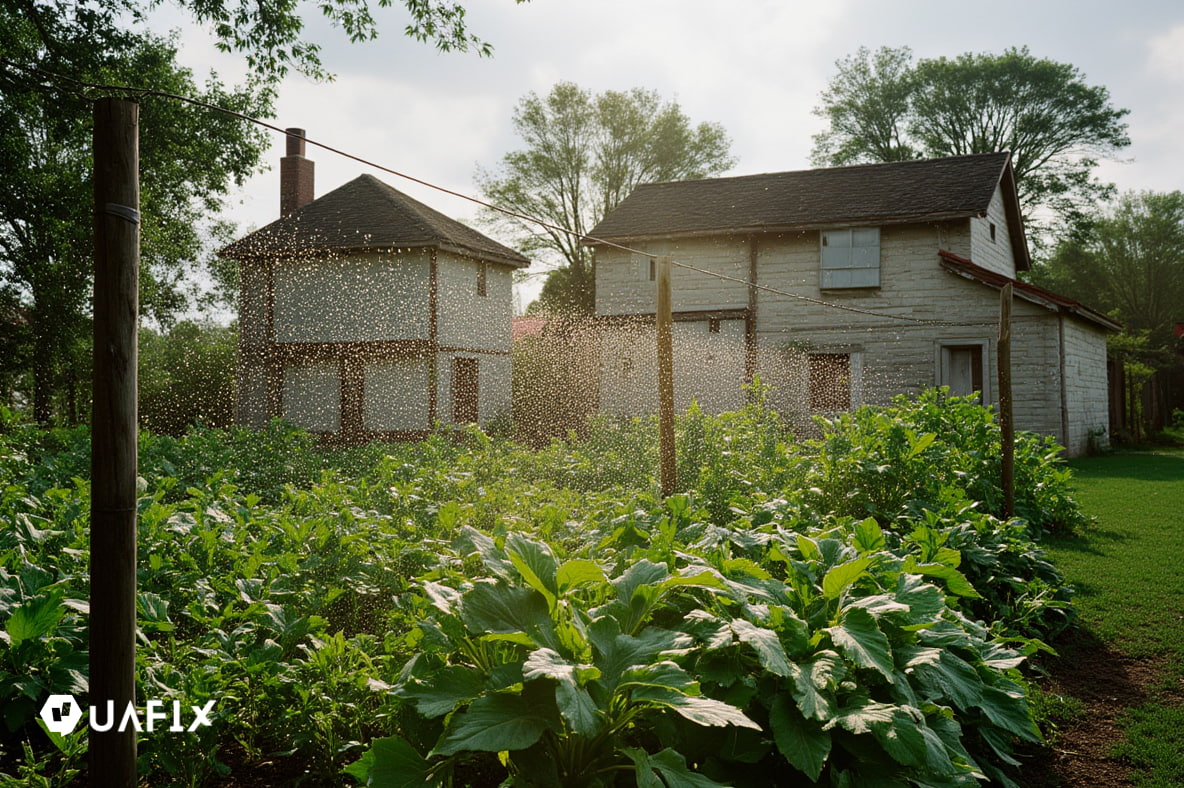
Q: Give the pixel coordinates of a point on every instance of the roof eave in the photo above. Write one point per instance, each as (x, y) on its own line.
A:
(769, 229)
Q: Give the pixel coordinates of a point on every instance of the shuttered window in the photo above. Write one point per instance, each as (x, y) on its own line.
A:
(850, 258)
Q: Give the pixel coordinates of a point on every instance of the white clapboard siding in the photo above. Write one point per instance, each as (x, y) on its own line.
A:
(1086, 386)
(395, 395)
(361, 298)
(465, 318)
(312, 397)
(996, 254)
(623, 286)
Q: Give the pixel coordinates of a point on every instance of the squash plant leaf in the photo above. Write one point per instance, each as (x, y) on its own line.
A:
(955, 581)
(35, 617)
(447, 688)
(391, 763)
(536, 563)
(840, 577)
(767, 646)
(869, 537)
(671, 766)
(701, 711)
(494, 723)
(574, 702)
(859, 637)
(498, 609)
(803, 742)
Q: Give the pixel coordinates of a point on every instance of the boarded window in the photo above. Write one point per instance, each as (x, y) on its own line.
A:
(312, 396)
(850, 258)
(464, 391)
(962, 369)
(830, 381)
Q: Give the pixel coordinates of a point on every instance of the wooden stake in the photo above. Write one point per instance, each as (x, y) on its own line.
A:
(1006, 425)
(665, 321)
(114, 442)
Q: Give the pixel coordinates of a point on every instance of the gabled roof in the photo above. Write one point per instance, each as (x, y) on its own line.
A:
(367, 215)
(1037, 295)
(868, 194)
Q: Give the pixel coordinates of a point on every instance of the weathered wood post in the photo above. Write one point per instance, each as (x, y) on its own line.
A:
(665, 323)
(1006, 425)
(114, 441)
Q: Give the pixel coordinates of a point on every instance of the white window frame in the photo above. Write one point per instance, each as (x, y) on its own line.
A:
(941, 362)
(849, 257)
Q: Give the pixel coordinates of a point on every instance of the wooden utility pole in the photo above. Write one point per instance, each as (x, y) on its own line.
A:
(665, 321)
(114, 441)
(1006, 425)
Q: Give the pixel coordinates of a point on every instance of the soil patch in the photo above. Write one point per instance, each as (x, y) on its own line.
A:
(1107, 682)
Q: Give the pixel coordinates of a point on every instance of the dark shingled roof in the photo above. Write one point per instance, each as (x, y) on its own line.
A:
(367, 214)
(868, 194)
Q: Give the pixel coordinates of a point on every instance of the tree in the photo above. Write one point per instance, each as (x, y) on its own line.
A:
(583, 154)
(188, 163)
(882, 107)
(1128, 261)
(189, 156)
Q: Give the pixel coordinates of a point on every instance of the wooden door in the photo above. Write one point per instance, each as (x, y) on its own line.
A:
(464, 391)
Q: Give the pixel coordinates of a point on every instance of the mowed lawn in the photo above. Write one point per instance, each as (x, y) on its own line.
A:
(1129, 574)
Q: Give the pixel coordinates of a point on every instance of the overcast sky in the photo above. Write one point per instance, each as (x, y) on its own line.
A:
(755, 66)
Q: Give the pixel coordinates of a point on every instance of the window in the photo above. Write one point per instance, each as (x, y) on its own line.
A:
(653, 269)
(992, 232)
(830, 381)
(483, 279)
(850, 258)
(713, 325)
(962, 369)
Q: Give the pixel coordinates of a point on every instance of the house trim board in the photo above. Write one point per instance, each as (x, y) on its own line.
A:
(433, 334)
(750, 318)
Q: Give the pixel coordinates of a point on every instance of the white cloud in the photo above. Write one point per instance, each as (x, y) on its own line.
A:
(1165, 55)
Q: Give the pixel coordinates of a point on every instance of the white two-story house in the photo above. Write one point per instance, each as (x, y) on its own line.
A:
(840, 287)
(365, 314)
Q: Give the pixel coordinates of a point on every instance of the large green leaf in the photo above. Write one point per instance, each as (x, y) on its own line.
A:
(702, 711)
(944, 675)
(536, 563)
(35, 617)
(664, 674)
(447, 688)
(859, 637)
(578, 572)
(671, 766)
(617, 652)
(862, 715)
(575, 704)
(494, 608)
(902, 738)
(1009, 712)
(869, 537)
(644, 573)
(391, 763)
(836, 581)
(955, 581)
(494, 723)
(812, 682)
(803, 742)
(767, 646)
(470, 540)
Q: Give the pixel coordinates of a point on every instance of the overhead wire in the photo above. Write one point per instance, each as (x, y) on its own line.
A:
(79, 85)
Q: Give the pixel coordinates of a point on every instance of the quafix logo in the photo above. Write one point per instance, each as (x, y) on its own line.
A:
(62, 713)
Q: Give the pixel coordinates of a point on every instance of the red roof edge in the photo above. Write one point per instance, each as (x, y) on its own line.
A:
(965, 267)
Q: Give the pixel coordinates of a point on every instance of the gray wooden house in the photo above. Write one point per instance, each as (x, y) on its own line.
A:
(896, 269)
(366, 314)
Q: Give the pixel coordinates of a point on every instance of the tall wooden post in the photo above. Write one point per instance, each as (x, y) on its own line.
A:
(665, 321)
(114, 441)
(1006, 425)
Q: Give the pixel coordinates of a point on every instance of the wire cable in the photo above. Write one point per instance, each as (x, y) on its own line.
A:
(143, 92)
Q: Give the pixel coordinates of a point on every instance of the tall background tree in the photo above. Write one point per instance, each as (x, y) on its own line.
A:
(190, 158)
(1128, 261)
(883, 106)
(583, 153)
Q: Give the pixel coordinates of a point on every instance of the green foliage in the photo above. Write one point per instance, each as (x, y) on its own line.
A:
(583, 154)
(882, 107)
(462, 611)
(186, 377)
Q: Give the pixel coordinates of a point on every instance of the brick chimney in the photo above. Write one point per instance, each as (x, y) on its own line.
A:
(296, 185)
